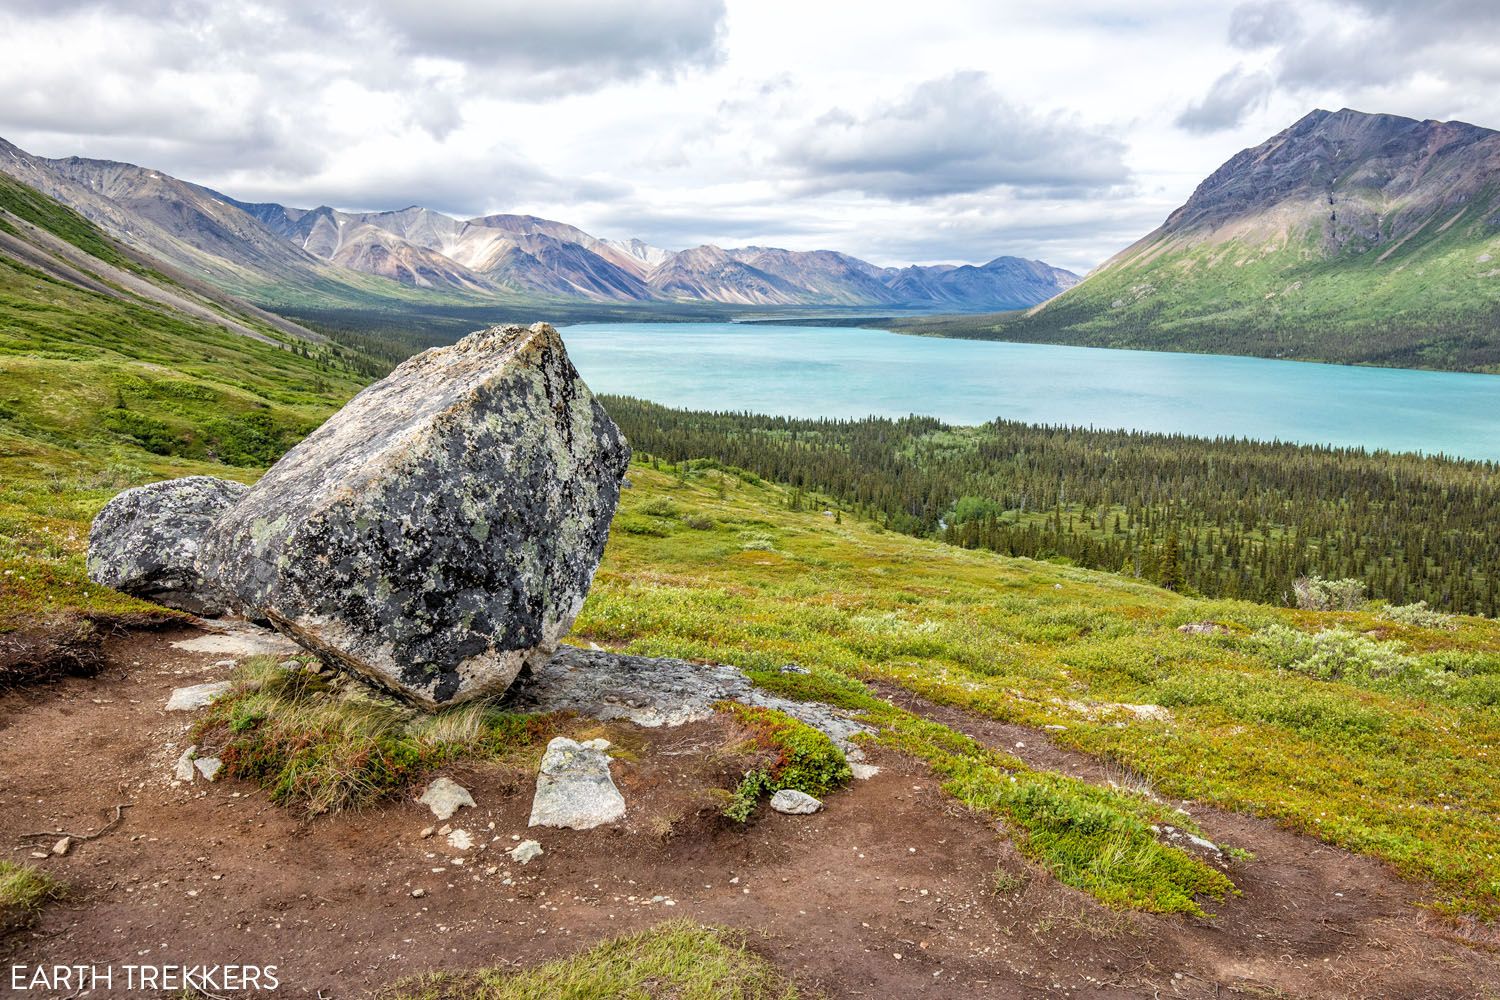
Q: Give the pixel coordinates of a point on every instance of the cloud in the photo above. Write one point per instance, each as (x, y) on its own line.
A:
(561, 45)
(1262, 23)
(949, 136)
(1440, 55)
(1232, 96)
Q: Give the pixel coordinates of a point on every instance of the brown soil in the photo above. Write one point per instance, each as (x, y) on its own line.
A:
(886, 893)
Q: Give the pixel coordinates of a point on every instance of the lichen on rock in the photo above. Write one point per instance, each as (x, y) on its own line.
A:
(441, 529)
(145, 541)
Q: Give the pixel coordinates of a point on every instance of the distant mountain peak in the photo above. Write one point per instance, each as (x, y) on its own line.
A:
(1346, 235)
(268, 247)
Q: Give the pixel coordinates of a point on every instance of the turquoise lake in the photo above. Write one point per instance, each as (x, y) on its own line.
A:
(831, 372)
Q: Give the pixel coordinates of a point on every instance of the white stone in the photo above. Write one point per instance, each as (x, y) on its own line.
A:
(525, 852)
(184, 769)
(574, 788)
(186, 699)
(240, 640)
(864, 772)
(208, 767)
(794, 803)
(460, 840)
(444, 796)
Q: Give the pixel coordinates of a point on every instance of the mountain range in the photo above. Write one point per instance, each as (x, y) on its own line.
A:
(1347, 237)
(278, 255)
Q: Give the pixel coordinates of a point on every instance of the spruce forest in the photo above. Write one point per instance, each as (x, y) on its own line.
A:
(1217, 517)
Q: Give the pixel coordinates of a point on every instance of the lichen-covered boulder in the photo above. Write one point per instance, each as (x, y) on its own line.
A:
(145, 541)
(443, 527)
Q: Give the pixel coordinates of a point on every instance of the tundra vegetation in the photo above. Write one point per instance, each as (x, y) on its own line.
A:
(1373, 728)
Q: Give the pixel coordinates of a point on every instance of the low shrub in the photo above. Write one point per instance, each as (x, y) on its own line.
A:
(1419, 615)
(285, 730)
(23, 890)
(635, 524)
(1313, 593)
(794, 755)
(1332, 654)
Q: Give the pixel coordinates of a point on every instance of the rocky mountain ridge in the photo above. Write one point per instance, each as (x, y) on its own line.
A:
(1347, 237)
(273, 252)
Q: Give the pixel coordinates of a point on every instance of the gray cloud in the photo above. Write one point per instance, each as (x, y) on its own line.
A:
(1232, 96)
(948, 136)
(1352, 47)
(1262, 23)
(570, 44)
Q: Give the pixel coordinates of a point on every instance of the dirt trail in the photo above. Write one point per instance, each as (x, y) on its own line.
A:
(886, 893)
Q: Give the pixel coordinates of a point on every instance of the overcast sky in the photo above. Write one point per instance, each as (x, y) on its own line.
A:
(900, 132)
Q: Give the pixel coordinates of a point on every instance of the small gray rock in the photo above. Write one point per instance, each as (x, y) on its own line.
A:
(525, 852)
(442, 529)
(184, 769)
(574, 789)
(208, 767)
(794, 803)
(145, 542)
(863, 772)
(1203, 628)
(444, 796)
(198, 696)
(62, 847)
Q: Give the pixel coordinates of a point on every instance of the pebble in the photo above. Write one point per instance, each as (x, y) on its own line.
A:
(525, 852)
(444, 797)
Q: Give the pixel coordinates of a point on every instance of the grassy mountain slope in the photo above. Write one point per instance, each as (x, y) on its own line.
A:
(113, 372)
(1352, 238)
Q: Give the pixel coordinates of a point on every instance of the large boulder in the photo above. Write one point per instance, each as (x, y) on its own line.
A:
(145, 541)
(443, 527)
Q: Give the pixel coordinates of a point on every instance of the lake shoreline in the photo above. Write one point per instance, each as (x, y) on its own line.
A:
(853, 371)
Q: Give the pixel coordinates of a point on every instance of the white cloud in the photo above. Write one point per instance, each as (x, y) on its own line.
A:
(953, 135)
(956, 130)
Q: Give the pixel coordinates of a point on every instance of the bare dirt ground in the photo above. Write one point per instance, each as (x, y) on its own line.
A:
(889, 892)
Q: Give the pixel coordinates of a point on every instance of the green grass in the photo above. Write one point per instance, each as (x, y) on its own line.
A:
(678, 959)
(287, 731)
(1401, 773)
(23, 891)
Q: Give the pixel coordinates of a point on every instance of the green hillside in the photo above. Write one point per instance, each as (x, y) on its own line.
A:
(113, 373)
(1350, 238)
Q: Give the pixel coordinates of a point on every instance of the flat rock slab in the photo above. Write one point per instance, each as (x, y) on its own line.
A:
(185, 699)
(240, 640)
(658, 691)
(795, 803)
(209, 767)
(574, 789)
(444, 797)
